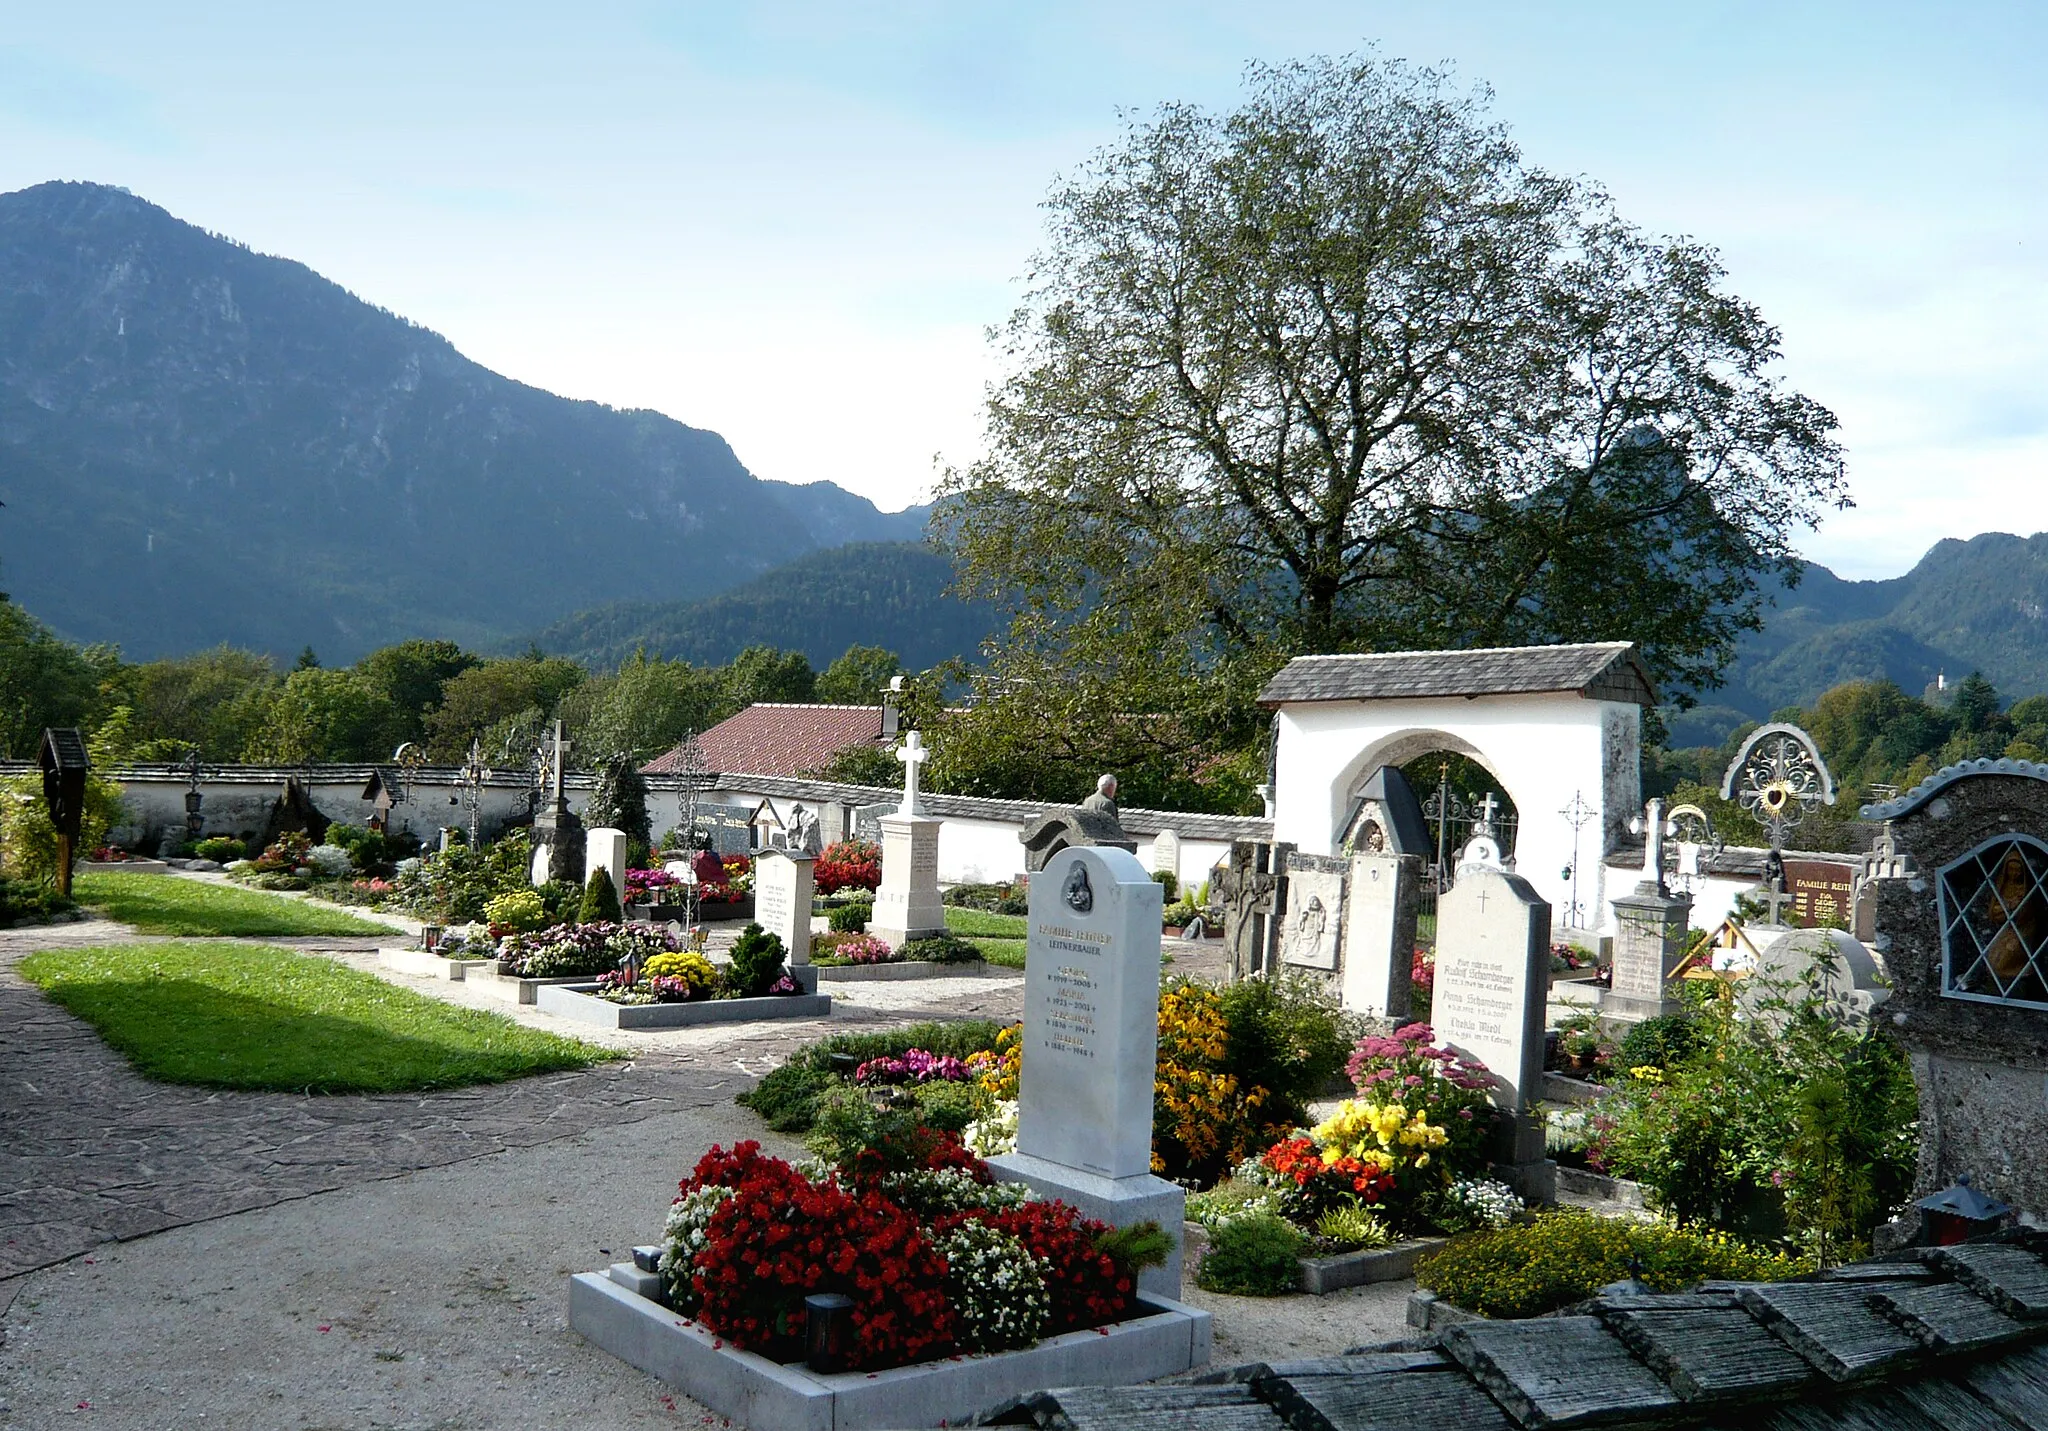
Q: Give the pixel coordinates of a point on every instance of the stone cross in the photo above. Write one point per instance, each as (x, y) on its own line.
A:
(1653, 844)
(913, 754)
(1486, 809)
(560, 753)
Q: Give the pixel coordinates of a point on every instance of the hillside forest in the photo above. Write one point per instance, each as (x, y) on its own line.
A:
(234, 705)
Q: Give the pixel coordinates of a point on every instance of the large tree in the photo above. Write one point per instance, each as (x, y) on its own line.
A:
(1341, 371)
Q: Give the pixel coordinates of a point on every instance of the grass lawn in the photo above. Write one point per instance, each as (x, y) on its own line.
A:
(165, 904)
(970, 923)
(1007, 952)
(246, 1016)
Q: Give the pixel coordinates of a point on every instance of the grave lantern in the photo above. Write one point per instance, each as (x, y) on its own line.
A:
(1959, 1213)
(828, 1331)
(64, 763)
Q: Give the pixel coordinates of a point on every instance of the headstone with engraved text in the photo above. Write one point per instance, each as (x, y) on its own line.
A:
(1091, 1033)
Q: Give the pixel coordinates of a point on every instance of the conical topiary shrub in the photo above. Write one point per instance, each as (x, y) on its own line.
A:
(600, 899)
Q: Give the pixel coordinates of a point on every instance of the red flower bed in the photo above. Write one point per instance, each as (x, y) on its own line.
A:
(850, 864)
(781, 1237)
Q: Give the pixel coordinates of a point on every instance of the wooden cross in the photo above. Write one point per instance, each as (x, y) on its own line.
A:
(913, 754)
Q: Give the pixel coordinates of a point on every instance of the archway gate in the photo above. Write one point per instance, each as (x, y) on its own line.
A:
(1560, 727)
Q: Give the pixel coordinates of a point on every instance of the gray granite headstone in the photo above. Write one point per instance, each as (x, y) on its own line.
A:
(1091, 1037)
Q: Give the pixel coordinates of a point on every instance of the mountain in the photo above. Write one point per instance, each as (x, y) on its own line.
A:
(891, 595)
(201, 444)
(1976, 605)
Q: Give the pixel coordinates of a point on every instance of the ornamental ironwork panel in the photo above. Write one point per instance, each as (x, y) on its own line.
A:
(1994, 923)
(1779, 777)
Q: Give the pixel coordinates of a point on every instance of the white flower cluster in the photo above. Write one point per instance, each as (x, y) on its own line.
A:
(1483, 1202)
(934, 1192)
(1231, 1200)
(684, 1239)
(996, 1134)
(997, 1289)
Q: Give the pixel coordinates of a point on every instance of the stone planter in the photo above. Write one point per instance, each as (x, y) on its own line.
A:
(422, 964)
(1166, 1339)
(1428, 1312)
(574, 1001)
(1598, 1187)
(511, 989)
(901, 969)
(1321, 1275)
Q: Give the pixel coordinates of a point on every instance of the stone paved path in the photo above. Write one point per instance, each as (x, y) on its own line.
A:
(90, 1151)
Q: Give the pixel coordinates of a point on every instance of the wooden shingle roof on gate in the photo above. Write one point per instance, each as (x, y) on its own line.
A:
(1598, 671)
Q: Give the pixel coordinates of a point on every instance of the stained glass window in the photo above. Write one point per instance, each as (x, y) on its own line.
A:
(1994, 923)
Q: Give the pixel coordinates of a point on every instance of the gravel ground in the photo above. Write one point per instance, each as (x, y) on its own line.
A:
(437, 1300)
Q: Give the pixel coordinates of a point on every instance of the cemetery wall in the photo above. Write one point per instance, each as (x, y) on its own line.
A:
(978, 842)
(1544, 749)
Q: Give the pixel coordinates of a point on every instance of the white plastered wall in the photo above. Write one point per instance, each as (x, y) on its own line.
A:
(1543, 749)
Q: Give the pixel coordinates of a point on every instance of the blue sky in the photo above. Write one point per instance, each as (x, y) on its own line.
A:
(791, 223)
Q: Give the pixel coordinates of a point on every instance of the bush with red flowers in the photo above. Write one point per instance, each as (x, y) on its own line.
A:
(849, 864)
(1089, 1287)
(1311, 1187)
(781, 1237)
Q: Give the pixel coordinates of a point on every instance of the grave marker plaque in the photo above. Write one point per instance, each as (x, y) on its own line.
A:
(1380, 907)
(782, 900)
(1312, 929)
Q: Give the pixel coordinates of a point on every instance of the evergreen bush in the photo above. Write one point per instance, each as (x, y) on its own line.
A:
(1255, 1256)
(600, 899)
(757, 959)
(852, 917)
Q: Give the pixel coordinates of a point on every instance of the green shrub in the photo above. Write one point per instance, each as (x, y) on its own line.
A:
(1168, 882)
(452, 886)
(1255, 1256)
(28, 841)
(600, 899)
(851, 917)
(1178, 915)
(220, 849)
(952, 1106)
(787, 1098)
(757, 959)
(519, 911)
(940, 949)
(1288, 1036)
(1354, 1227)
(990, 898)
(22, 903)
(1659, 1042)
(559, 901)
(1561, 1258)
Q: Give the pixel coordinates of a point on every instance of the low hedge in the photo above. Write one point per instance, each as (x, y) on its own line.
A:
(941, 949)
(1254, 1256)
(787, 1099)
(1559, 1258)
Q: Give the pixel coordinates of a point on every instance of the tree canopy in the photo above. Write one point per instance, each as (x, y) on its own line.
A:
(1341, 371)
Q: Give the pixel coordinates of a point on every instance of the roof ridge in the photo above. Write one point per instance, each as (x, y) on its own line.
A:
(1462, 651)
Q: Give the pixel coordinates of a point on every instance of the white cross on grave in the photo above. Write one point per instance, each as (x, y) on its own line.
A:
(913, 754)
(1486, 809)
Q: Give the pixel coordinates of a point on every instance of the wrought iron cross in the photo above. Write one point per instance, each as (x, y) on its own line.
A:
(1578, 815)
(474, 775)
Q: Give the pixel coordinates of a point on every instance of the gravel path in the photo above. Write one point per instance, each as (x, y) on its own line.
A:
(173, 1257)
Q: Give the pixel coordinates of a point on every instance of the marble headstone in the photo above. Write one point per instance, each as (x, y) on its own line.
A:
(606, 849)
(1312, 928)
(1091, 1037)
(1381, 902)
(1166, 853)
(1492, 984)
(783, 888)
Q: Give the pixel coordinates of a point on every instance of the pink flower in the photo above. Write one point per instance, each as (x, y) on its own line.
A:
(1412, 1081)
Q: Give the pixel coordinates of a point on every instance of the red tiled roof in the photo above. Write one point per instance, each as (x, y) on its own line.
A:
(771, 739)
